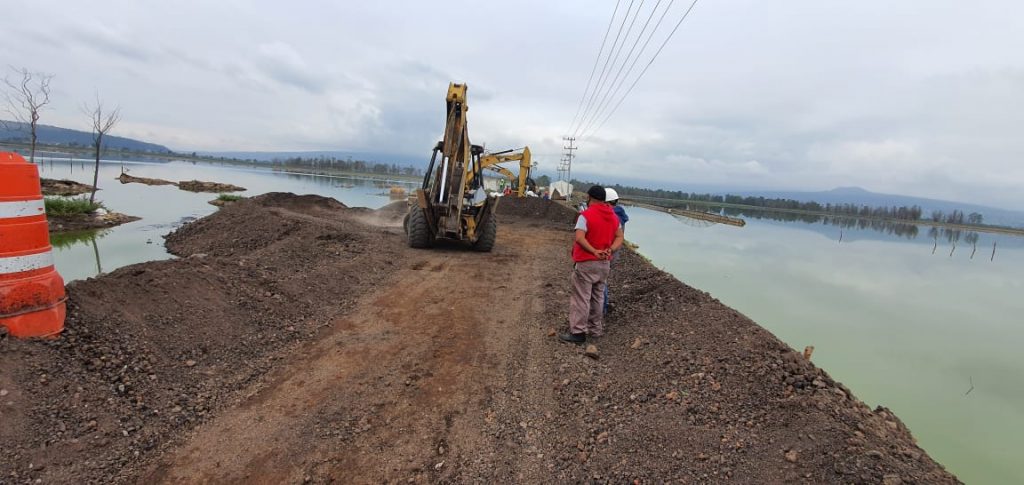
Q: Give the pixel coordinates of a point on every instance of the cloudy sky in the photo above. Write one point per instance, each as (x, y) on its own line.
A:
(921, 97)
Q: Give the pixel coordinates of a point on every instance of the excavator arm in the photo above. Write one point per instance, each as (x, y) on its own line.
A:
(504, 171)
(492, 160)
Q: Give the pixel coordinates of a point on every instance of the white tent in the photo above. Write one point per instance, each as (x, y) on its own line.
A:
(563, 188)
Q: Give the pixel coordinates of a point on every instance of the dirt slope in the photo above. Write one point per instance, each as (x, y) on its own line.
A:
(153, 349)
(295, 343)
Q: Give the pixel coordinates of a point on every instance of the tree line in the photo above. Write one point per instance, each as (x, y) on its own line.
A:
(902, 213)
(325, 163)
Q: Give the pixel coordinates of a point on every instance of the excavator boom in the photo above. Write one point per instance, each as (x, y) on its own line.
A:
(521, 182)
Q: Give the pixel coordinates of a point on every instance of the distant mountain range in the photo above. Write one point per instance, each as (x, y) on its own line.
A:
(859, 196)
(52, 135)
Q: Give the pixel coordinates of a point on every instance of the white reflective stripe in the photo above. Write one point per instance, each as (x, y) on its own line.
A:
(17, 264)
(22, 208)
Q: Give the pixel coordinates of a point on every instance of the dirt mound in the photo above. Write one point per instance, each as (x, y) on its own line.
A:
(536, 208)
(151, 350)
(287, 200)
(396, 208)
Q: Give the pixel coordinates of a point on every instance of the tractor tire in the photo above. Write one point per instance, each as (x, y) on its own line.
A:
(488, 234)
(416, 229)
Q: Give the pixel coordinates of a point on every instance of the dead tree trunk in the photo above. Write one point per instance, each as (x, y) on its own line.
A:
(25, 99)
(101, 124)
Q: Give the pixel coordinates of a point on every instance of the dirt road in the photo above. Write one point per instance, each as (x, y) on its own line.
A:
(295, 343)
(398, 388)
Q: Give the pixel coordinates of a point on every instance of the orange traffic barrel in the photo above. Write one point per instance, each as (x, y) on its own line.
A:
(31, 292)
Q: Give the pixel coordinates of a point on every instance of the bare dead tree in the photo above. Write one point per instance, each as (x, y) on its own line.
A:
(25, 98)
(102, 122)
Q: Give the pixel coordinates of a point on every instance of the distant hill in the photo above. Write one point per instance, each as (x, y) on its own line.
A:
(52, 135)
(859, 196)
(400, 159)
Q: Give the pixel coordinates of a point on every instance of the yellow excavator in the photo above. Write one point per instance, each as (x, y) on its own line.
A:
(520, 183)
(452, 203)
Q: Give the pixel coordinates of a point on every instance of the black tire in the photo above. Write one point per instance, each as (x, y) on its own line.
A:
(416, 229)
(488, 234)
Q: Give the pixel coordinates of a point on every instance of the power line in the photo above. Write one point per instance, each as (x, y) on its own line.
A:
(596, 62)
(604, 67)
(630, 90)
(636, 15)
(619, 79)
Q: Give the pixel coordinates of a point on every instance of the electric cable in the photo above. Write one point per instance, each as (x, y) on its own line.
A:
(597, 60)
(600, 85)
(604, 67)
(632, 86)
(619, 80)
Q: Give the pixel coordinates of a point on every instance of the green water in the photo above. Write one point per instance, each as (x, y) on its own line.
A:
(902, 326)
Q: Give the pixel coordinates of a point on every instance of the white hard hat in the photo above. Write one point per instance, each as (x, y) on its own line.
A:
(610, 194)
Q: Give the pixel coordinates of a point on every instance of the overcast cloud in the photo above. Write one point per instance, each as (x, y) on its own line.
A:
(922, 97)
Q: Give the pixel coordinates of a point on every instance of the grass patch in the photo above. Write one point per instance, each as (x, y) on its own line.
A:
(69, 206)
(229, 197)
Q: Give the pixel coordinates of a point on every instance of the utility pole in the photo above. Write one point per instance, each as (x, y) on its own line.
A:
(565, 165)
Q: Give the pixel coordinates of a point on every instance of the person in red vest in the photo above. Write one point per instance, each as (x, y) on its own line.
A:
(598, 235)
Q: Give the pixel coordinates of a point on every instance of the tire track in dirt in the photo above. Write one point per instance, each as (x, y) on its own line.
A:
(398, 389)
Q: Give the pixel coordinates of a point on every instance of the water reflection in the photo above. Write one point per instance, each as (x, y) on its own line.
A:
(890, 228)
(894, 228)
(66, 240)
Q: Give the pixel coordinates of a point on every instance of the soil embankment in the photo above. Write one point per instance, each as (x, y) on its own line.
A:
(189, 185)
(124, 178)
(213, 187)
(295, 342)
(89, 221)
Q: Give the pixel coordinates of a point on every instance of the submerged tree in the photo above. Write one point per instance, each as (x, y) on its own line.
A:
(25, 98)
(102, 123)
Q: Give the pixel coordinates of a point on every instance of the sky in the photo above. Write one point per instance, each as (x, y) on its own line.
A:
(917, 97)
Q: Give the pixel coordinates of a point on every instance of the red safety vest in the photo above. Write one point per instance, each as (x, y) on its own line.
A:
(602, 223)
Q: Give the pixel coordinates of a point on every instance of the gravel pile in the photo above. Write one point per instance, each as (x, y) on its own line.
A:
(151, 350)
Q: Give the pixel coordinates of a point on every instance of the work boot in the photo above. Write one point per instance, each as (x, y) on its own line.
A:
(576, 338)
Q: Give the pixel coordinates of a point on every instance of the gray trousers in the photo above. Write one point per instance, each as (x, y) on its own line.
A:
(586, 305)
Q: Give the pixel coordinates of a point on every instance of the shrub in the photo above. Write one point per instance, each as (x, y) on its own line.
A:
(67, 206)
(229, 197)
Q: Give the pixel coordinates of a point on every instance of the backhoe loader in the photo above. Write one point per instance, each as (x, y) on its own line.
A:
(452, 203)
